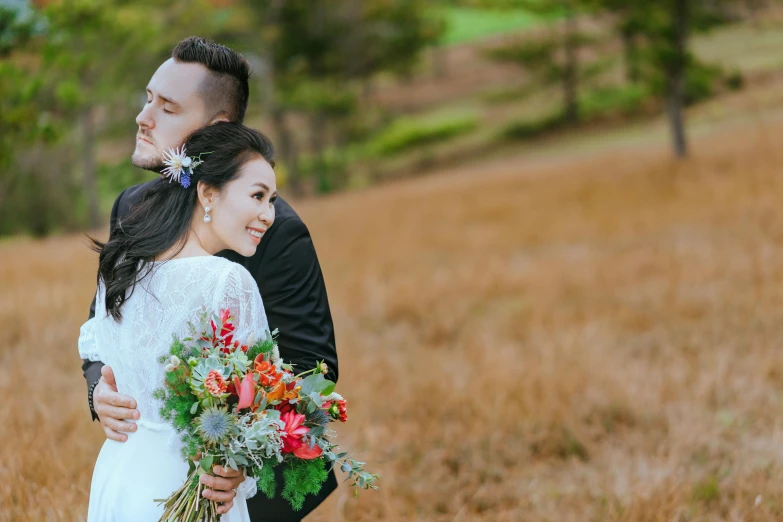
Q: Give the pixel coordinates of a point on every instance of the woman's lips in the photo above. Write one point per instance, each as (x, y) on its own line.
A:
(255, 233)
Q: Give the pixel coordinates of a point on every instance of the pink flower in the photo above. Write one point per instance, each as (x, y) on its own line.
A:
(293, 431)
(245, 390)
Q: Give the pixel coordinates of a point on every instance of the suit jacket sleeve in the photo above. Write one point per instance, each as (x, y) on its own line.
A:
(92, 369)
(294, 293)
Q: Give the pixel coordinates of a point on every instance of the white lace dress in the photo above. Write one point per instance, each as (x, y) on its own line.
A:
(129, 475)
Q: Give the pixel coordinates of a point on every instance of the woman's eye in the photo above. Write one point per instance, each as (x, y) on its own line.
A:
(272, 199)
(259, 195)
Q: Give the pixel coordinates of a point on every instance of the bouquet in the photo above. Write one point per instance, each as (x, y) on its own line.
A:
(240, 405)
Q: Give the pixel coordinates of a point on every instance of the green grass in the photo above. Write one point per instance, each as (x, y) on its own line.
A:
(465, 24)
(406, 133)
(625, 99)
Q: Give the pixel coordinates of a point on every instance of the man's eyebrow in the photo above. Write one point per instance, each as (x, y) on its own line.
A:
(165, 98)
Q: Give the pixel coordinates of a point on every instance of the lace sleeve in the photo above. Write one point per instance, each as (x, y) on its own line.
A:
(88, 340)
(239, 293)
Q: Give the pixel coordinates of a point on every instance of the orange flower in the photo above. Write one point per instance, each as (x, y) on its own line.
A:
(268, 374)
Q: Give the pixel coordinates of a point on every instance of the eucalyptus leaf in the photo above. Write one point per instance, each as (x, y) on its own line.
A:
(329, 389)
(206, 463)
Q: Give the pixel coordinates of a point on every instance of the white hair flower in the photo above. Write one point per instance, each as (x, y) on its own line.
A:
(179, 166)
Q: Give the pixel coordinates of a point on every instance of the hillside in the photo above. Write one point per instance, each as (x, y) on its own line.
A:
(577, 330)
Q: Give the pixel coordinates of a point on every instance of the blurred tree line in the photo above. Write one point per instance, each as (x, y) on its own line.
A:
(72, 77)
(656, 41)
(74, 71)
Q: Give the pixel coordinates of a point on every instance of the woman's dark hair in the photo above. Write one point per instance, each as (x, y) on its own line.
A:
(163, 218)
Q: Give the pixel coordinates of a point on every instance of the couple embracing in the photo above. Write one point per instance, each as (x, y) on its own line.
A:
(213, 231)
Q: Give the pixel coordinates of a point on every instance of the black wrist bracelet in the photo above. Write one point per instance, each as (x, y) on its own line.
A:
(89, 395)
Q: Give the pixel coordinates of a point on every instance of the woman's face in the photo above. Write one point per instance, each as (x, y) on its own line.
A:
(242, 211)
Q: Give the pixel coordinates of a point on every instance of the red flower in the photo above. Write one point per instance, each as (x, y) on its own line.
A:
(246, 391)
(226, 332)
(293, 431)
(285, 407)
(337, 409)
(305, 452)
(215, 383)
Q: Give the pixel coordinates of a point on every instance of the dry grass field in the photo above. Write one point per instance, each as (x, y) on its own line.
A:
(590, 338)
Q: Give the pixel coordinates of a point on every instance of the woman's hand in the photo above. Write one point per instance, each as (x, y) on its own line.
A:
(222, 487)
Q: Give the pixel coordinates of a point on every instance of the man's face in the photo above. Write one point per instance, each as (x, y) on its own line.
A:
(174, 109)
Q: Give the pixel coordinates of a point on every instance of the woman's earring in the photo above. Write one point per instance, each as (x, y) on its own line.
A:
(207, 217)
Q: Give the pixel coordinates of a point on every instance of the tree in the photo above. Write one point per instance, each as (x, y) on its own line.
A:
(317, 55)
(553, 58)
(657, 42)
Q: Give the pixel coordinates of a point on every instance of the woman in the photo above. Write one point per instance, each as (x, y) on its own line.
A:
(156, 273)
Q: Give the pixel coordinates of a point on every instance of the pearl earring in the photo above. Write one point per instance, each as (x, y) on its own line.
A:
(207, 217)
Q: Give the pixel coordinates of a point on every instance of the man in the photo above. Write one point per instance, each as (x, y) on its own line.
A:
(203, 83)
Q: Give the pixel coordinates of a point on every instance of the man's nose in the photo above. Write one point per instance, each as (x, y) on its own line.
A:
(144, 119)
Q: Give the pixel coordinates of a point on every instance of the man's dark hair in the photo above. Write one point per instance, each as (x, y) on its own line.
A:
(226, 87)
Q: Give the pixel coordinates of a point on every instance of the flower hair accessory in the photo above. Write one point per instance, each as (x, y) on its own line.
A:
(179, 166)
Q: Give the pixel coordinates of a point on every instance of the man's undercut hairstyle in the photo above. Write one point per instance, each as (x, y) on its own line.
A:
(225, 89)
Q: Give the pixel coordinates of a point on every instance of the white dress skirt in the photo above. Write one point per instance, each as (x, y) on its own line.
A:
(130, 475)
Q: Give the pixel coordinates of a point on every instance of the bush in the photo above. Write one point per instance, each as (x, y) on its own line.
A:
(531, 128)
(700, 82)
(404, 134)
(625, 100)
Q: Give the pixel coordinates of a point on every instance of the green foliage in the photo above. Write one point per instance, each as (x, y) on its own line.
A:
(702, 81)
(264, 346)
(113, 178)
(595, 103)
(404, 134)
(531, 128)
(465, 24)
(302, 478)
(625, 100)
(265, 478)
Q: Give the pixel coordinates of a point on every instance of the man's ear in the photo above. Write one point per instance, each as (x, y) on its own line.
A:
(221, 116)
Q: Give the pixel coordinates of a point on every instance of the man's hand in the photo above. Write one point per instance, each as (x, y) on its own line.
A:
(222, 486)
(114, 409)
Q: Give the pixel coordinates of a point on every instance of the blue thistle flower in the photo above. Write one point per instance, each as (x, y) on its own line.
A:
(215, 424)
(184, 179)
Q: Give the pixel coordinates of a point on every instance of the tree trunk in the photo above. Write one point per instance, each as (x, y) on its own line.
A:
(631, 56)
(90, 177)
(317, 131)
(287, 149)
(439, 62)
(676, 78)
(570, 68)
(285, 146)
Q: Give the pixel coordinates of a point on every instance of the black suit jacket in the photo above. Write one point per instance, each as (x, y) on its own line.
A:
(286, 269)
